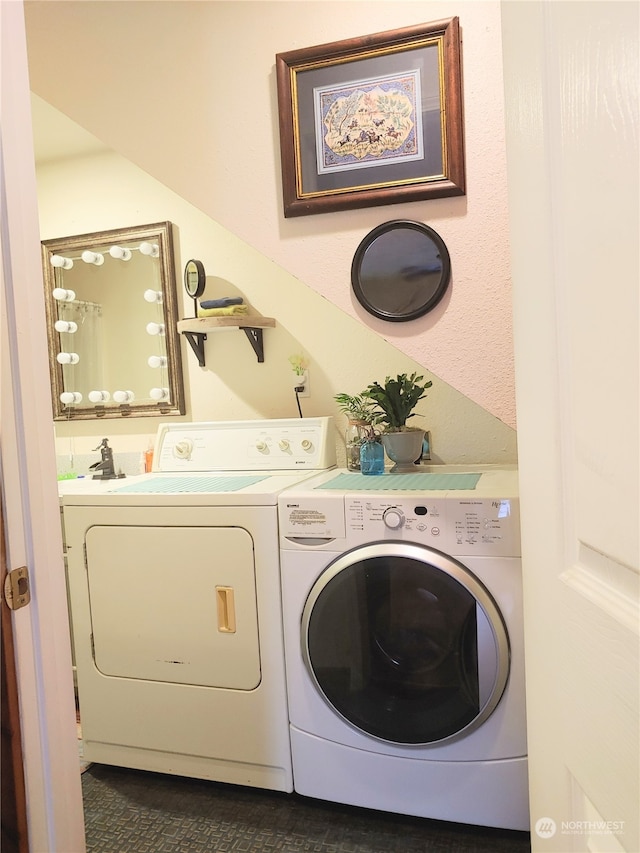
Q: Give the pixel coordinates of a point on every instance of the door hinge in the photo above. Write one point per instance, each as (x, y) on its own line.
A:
(17, 593)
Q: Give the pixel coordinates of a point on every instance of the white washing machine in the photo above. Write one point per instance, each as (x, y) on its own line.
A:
(175, 601)
(402, 603)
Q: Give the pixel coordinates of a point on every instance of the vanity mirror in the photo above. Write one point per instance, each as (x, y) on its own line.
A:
(111, 304)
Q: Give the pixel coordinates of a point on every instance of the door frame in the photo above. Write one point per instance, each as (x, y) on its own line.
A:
(29, 494)
(15, 834)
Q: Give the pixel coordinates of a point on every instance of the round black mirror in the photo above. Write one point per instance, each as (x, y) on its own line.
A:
(195, 279)
(400, 270)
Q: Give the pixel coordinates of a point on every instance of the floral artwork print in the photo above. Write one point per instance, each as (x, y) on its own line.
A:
(368, 122)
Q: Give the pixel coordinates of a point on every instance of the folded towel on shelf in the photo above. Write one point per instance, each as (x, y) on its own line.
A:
(221, 303)
(230, 311)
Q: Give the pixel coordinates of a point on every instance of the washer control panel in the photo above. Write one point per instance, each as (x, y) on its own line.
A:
(277, 445)
(480, 526)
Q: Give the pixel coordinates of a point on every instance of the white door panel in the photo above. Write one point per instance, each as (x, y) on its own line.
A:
(571, 77)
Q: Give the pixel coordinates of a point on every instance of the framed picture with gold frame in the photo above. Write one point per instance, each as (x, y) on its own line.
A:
(372, 120)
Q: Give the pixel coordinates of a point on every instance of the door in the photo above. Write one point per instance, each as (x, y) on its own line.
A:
(27, 460)
(173, 604)
(571, 76)
(405, 644)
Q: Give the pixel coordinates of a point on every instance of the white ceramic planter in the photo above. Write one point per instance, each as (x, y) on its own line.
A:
(403, 448)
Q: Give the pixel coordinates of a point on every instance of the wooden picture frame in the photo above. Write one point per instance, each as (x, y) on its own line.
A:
(372, 120)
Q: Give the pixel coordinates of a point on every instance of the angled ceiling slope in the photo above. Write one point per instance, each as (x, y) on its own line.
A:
(56, 137)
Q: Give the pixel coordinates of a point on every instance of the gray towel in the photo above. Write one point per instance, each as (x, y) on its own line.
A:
(222, 303)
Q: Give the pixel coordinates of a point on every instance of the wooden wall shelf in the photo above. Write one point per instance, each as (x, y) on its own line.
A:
(196, 330)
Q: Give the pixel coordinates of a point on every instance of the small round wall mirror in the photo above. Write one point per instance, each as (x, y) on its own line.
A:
(401, 270)
(195, 279)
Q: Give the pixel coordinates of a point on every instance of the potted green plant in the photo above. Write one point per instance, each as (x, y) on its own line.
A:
(393, 404)
(360, 425)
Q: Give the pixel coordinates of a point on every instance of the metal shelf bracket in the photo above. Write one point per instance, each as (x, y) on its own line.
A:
(196, 341)
(255, 338)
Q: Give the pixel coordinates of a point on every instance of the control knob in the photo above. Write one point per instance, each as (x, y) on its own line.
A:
(284, 445)
(261, 446)
(183, 449)
(393, 518)
(307, 444)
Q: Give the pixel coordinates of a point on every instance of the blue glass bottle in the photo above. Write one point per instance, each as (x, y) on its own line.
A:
(371, 457)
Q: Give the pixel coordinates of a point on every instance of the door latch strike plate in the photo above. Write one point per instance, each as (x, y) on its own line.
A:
(17, 593)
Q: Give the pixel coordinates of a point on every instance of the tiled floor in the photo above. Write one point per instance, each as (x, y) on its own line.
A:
(130, 811)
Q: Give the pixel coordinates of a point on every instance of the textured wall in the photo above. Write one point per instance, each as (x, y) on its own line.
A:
(186, 90)
(343, 355)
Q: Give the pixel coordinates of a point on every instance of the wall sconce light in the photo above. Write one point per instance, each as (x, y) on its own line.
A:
(70, 397)
(157, 361)
(99, 396)
(155, 328)
(92, 258)
(124, 396)
(153, 295)
(120, 253)
(159, 394)
(150, 249)
(67, 358)
(66, 326)
(63, 295)
(59, 261)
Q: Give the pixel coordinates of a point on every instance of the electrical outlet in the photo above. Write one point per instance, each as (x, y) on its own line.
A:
(304, 382)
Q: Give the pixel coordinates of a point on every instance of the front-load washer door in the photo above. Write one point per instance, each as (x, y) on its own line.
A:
(174, 604)
(405, 644)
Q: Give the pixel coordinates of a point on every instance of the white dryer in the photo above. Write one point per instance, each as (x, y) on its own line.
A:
(402, 603)
(175, 601)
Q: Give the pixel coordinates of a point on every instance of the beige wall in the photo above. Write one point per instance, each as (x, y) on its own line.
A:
(106, 191)
(186, 90)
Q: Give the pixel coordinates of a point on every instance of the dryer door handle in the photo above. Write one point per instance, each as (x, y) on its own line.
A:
(225, 601)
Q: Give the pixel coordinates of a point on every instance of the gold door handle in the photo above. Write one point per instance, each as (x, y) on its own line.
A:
(225, 601)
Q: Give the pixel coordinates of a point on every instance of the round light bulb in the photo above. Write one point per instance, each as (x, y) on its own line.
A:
(99, 396)
(67, 358)
(159, 393)
(155, 328)
(92, 258)
(120, 253)
(153, 295)
(70, 397)
(63, 295)
(66, 326)
(149, 249)
(62, 263)
(123, 396)
(157, 361)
